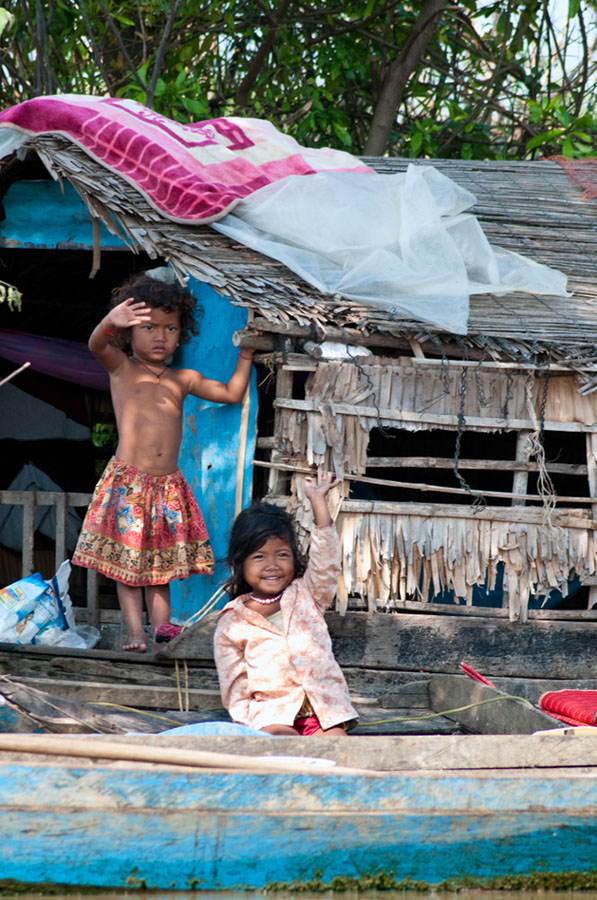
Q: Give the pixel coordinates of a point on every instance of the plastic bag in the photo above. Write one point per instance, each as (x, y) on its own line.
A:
(36, 611)
(81, 637)
(28, 606)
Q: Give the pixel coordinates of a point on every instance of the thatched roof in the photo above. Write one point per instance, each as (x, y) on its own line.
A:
(530, 207)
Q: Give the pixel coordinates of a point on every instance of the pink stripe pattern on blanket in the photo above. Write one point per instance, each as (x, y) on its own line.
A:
(189, 173)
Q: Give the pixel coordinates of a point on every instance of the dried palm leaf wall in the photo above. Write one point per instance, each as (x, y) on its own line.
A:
(399, 551)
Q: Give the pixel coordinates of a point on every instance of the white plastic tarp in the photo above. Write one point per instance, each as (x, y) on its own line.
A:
(403, 243)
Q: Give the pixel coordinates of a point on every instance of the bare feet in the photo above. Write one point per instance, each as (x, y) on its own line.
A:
(136, 643)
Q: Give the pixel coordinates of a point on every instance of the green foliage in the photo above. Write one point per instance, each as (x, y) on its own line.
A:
(10, 295)
(564, 133)
(493, 80)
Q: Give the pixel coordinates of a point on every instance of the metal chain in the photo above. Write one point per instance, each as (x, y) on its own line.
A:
(479, 501)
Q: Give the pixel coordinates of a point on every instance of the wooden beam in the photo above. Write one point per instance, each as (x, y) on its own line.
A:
(61, 520)
(439, 643)
(490, 465)
(565, 748)
(520, 480)
(135, 695)
(386, 414)
(572, 518)
(28, 532)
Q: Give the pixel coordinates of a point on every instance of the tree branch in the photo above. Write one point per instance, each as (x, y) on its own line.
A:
(241, 96)
(400, 71)
(96, 51)
(121, 44)
(159, 59)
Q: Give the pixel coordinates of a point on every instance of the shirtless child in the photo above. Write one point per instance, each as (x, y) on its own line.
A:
(143, 527)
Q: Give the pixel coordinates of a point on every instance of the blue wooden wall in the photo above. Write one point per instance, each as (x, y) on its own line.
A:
(210, 441)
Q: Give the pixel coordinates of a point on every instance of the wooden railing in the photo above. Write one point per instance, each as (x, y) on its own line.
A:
(29, 500)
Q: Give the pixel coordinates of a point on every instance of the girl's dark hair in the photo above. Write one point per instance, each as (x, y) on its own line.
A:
(251, 529)
(159, 295)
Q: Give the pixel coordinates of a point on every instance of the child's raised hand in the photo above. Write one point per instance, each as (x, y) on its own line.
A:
(318, 496)
(314, 490)
(130, 312)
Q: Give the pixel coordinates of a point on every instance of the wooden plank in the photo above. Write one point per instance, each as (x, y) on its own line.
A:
(436, 643)
(40, 650)
(591, 451)
(284, 385)
(520, 480)
(432, 419)
(43, 498)
(439, 643)
(492, 612)
(92, 597)
(154, 697)
(498, 465)
(401, 721)
(411, 695)
(61, 519)
(28, 532)
(107, 670)
(571, 518)
(483, 709)
(565, 748)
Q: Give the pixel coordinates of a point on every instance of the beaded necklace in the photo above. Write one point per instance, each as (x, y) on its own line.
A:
(265, 600)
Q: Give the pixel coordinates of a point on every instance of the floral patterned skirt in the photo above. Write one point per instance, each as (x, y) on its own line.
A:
(143, 529)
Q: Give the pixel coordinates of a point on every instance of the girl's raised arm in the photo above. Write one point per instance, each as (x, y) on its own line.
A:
(217, 391)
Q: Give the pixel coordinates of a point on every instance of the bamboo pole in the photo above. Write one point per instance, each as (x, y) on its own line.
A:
(170, 756)
(414, 486)
(242, 440)
(13, 374)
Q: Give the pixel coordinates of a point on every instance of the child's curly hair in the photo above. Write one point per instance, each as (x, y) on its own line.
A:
(251, 529)
(159, 295)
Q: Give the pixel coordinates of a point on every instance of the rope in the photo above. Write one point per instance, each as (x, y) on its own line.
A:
(208, 606)
(141, 712)
(545, 487)
(268, 364)
(447, 712)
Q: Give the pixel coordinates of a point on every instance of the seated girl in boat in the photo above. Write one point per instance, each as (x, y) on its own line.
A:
(273, 651)
(143, 527)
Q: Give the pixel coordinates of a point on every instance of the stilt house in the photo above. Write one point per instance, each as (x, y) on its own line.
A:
(468, 462)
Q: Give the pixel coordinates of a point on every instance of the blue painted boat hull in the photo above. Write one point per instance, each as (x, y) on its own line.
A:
(162, 829)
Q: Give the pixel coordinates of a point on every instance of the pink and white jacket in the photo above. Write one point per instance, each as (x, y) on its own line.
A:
(265, 673)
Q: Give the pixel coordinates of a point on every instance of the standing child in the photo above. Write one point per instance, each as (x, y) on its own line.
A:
(273, 651)
(143, 527)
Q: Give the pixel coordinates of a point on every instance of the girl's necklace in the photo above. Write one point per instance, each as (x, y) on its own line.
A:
(157, 375)
(265, 600)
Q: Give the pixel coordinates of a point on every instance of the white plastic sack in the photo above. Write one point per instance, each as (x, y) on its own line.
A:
(401, 243)
(80, 637)
(36, 611)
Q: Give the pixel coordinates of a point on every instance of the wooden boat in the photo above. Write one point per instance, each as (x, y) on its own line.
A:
(404, 799)
(451, 809)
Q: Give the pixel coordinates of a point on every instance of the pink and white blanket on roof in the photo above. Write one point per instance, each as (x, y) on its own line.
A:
(193, 173)
(402, 243)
